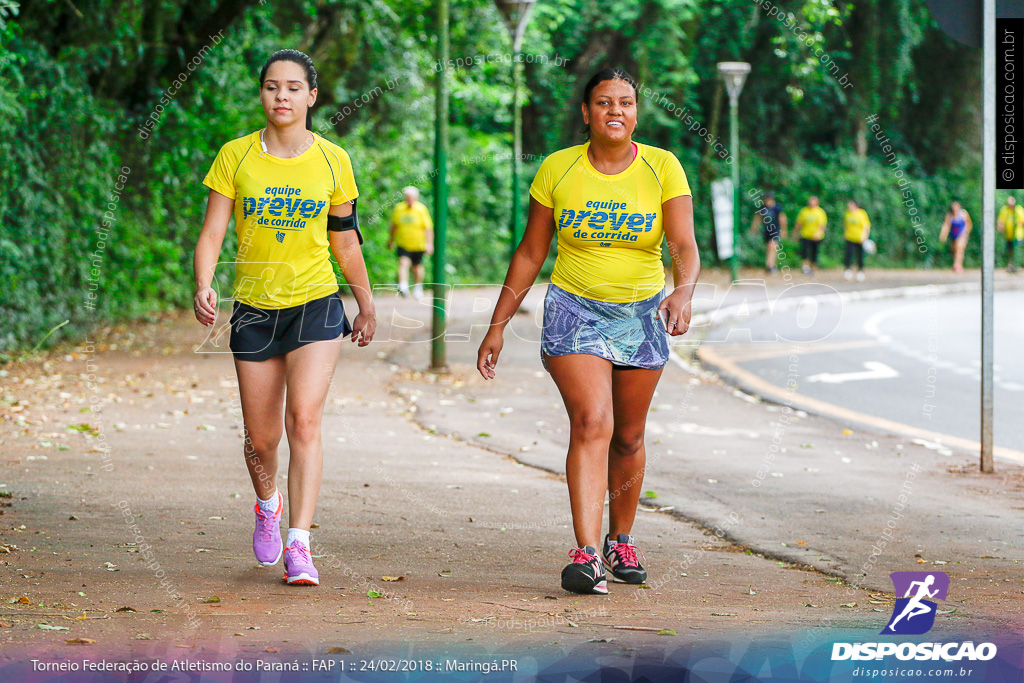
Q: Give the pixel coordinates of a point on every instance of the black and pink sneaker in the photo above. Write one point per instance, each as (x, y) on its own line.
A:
(586, 573)
(620, 558)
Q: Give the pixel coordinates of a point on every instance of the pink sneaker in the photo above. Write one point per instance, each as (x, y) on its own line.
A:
(266, 539)
(298, 566)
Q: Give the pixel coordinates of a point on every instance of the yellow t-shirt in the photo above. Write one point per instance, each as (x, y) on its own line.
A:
(811, 222)
(412, 224)
(1013, 221)
(281, 208)
(857, 225)
(609, 226)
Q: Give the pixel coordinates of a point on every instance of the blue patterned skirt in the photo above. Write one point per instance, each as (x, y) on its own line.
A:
(628, 334)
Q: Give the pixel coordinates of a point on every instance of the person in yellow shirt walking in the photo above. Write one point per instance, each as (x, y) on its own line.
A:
(858, 227)
(810, 223)
(1011, 222)
(607, 318)
(412, 231)
(293, 196)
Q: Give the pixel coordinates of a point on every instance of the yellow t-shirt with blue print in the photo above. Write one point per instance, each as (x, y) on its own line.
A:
(1013, 222)
(811, 222)
(411, 225)
(281, 208)
(857, 225)
(609, 226)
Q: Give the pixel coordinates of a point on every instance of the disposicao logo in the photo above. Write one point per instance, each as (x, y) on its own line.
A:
(914, 614)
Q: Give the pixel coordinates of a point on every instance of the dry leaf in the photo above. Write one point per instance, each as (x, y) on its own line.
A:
(271, 648)
(80, 641)
(338, 650)
(392, 578)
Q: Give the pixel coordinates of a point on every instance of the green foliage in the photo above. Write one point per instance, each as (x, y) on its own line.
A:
(76, 80)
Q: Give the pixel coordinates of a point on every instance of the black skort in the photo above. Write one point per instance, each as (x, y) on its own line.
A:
(260, 333)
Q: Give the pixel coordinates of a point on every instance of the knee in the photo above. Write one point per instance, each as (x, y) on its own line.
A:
(592, 425)
(627, 443)
(263, 444)
(303, 427)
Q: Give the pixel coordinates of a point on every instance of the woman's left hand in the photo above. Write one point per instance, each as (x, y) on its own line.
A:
(363, 328)
(677, 305)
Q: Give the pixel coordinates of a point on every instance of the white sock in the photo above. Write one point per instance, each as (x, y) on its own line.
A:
(417, 291)
(268, 505)
(403, 286)
(301, 535)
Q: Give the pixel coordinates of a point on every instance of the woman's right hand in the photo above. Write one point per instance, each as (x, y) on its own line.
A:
(487, 355)
(205, 305)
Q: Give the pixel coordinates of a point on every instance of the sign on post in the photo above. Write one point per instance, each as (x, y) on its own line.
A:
(721, 205)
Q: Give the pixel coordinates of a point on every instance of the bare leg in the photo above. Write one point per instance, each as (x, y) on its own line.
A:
(309, 372)
(261, 386)
(958, 254)
(585, 383)
(632, 391)
(404, 262)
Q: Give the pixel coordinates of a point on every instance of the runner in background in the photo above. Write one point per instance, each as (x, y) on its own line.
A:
(858, 227)
(606, 316)
(412, 231)
(810, 224)
(957, 227)
(773, 227)
(1011, 222)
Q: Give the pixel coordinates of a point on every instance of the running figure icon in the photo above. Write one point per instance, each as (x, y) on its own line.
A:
(916, 588)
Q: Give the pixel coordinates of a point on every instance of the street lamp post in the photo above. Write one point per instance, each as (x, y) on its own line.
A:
(516, 14)
(735, 74)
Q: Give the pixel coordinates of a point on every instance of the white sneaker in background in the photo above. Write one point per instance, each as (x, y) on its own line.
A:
(417, 292)
(848, 275)
(860, 276)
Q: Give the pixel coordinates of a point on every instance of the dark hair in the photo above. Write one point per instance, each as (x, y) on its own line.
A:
(600, 77)
(303, 60)
(950, 212)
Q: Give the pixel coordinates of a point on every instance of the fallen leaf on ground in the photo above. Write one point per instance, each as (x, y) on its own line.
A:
(47, 627)
(849, 604)
(271, 648)
(80, 641)
(212, 598)
(374, 594)
(724, 614)
(338, 650)
(392, 578)
(666, 632)
(125, 609)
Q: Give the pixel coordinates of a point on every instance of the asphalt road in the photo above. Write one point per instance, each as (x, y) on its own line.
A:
(915, 361)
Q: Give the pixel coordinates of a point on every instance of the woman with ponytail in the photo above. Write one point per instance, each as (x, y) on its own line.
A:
(293, 196)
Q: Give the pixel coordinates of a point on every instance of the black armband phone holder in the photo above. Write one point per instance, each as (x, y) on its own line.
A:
(342, 223)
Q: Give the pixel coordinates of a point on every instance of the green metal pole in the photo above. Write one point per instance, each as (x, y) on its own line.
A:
(517, 152)
(734, 142)
(438, 361)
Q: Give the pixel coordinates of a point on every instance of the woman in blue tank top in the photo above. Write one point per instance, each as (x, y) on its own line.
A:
(956, 227)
